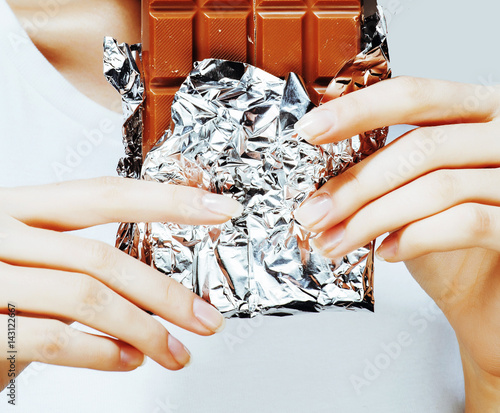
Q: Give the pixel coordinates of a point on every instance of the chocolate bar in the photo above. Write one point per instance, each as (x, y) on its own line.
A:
(313, 38)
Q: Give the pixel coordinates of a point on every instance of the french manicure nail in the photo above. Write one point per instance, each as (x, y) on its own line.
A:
(330, 239)
(208, 315)
(313, 210)
(222, 205)
(178, 351)
(314, 124)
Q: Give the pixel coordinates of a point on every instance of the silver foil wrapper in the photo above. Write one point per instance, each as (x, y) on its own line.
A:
(121, 69)
(233, 134)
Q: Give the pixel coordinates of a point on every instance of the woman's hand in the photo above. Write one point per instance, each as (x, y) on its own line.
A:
(54, 278)
(436, 189)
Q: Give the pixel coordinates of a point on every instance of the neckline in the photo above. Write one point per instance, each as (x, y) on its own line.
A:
(42, 75)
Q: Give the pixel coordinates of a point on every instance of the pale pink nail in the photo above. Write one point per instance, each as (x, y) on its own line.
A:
(330, 239)
(389, 248)
(314, 124)
(178, 351)
(313, 211)
(222, 205)
(131, 357)
(208, 315)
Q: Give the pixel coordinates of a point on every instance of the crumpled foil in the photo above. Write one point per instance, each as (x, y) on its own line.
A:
(234, 135)
(121, 69)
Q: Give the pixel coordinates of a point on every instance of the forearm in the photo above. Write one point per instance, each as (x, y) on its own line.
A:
(482, 389)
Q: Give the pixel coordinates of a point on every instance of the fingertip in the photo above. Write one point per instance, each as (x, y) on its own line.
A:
(222, 206)
(313, 211)
(180, 353)
(208, 315)
(388, 250)
(316, 126)
(380, 257)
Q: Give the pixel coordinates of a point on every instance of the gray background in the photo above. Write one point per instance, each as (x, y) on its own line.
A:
(445, 39)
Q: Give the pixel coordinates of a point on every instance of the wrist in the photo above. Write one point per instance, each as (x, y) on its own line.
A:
(482, 389)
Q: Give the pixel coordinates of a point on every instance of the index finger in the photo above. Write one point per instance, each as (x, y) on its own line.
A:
(403, 100)
(80, 204)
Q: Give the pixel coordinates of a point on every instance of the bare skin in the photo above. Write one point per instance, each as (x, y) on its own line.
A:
(75, 48)
(433, 190)
(86, 280)
(443, 227)
(68, 278)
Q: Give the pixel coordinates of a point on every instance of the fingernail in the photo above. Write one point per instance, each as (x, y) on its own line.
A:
(389, 248)
(208, 315)
(313, 211)
(314, 124)
(330, 239)
(178, 351)
(222, 205)
(380, 258)
(131, 357)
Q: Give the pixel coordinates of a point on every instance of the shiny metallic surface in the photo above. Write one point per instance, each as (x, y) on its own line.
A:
(234, 135)
(121, 69)
(122, 72)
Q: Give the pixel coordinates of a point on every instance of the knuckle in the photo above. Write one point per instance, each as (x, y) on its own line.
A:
(351, 180)
(109, 188)
(444, 184)
(53, 340)
(107, 183)
(413, 87)
(409, 84)
(101, 256)
(353, 107)
(89, 292)
(478, 220)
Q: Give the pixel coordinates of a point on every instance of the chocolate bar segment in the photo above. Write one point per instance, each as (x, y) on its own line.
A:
(312, 38)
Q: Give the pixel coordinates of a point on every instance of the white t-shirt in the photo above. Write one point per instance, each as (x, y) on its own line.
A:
(402, 358)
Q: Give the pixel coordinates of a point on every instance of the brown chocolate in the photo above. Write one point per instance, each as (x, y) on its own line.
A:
(313, 38)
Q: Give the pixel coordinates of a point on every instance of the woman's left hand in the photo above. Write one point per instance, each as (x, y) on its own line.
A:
(436, 189)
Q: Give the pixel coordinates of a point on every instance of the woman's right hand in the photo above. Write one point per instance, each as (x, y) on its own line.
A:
(54, 278)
